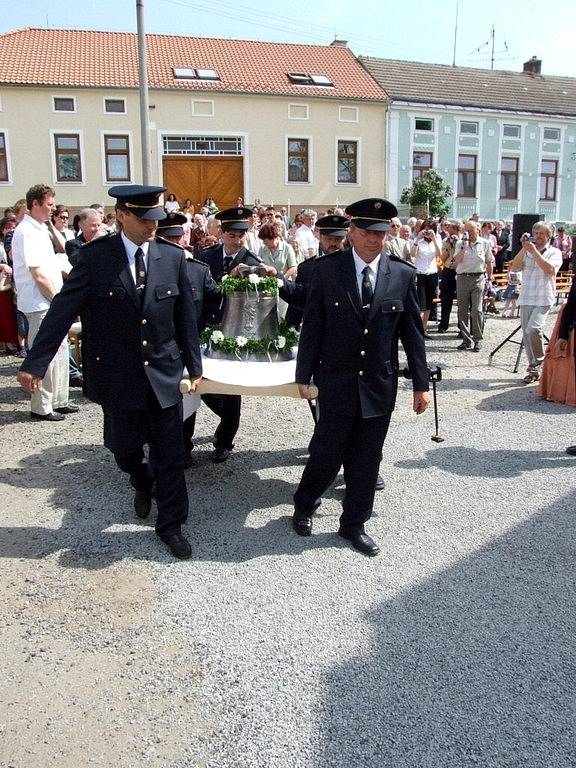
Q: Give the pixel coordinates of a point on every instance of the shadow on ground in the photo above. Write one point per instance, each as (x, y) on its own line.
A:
(473, 667)
(95, 500)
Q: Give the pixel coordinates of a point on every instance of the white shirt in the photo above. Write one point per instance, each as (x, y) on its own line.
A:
(306, 241)
(425, 259)
(360, 265)
(538, 289)
(32, 247)
(131, 249)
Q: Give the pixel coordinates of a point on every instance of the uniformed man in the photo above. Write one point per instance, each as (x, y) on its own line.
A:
(359, 304)
(332, 234)
(207, 296)
(222, 259)
(139, 330)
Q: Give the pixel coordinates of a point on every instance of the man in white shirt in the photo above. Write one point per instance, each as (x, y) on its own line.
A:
(539, 262)
(304, 235)
(38, 274)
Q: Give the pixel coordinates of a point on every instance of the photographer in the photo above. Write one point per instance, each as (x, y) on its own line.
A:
(539, 262)
(448, 274)
(473, 261)
(424, 252)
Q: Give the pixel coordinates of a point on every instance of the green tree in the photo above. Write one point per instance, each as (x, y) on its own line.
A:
(429, 188)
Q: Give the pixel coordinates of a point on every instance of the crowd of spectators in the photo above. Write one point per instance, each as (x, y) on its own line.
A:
(452, 259)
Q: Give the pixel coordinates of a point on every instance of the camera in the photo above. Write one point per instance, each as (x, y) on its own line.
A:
(465, 237)
(527, 237)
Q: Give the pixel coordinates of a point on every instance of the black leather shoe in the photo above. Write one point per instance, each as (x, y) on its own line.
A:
(302, 524)
(380, 484)
(67, 409)
(179, 545)
(571, 450)
(76, 381)
(142, 503)
(360, 540)
(219, 455)
(47, 416)
(477, 346)
(464, 345)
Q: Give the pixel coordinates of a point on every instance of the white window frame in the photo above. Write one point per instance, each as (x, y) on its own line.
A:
(512, 125)
(347, 119)
(467, 133)
(358, 181)
(10, 182)
(113, 98)
(67, 132)
(202, 101)
(306, 108)
(103, 135)
(551, 128)
(310, 139)
(431, 130)
(63, 111)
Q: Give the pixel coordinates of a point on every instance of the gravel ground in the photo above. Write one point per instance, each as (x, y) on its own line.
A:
(453, 648)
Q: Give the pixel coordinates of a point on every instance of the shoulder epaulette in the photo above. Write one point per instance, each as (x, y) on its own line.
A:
(394, 257)
(163, 241)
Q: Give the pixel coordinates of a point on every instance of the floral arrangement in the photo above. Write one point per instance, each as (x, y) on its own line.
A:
(252, 282)
(213, 338)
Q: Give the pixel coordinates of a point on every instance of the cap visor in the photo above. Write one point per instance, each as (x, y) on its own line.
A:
(153, 214)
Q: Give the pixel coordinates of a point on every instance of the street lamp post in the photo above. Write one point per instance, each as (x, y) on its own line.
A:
(143, 77)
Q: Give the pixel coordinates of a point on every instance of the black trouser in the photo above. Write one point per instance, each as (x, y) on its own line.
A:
(447, 293)
(345, 440)
(126, 433)
(227, 407)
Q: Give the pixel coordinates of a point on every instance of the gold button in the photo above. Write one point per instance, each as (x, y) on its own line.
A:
(146, 362)
(365, 331)
(144, 321)
(393, 306)
(98, 359)
(144, 343)
(362, 353)
(360, 373)
(335, 303)
(168, 292)
(111, 293)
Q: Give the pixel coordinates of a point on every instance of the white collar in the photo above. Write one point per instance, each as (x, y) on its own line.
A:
(131, 247)
(360, 264)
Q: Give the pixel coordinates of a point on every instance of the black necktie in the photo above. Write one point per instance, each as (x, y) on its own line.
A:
(367, 292)
(227, 262)
(140, 273)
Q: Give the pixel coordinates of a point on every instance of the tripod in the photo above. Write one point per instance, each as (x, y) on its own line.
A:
(510, 338)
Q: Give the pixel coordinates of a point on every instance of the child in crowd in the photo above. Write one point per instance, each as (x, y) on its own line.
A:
(511, 294)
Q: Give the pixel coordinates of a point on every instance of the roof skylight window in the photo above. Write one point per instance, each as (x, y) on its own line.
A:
(300, 78)
(192, 73)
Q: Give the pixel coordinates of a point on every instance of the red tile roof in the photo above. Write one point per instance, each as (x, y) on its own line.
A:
(78, 58)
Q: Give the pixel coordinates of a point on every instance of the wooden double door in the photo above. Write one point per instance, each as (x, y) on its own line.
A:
(197, 178)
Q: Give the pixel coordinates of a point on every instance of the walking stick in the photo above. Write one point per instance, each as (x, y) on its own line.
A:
(434, 375)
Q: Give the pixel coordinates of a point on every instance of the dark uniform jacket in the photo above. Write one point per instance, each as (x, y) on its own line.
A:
(214, 258)
(294, 291)
(72, 247)
(207, 295)
(125, 343)
(350, 354)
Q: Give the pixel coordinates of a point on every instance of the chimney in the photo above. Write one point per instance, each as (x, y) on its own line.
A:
(533, 66)
(339, 43)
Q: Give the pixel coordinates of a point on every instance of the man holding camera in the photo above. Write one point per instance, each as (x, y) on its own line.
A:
(539, 262)
(473, 262)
